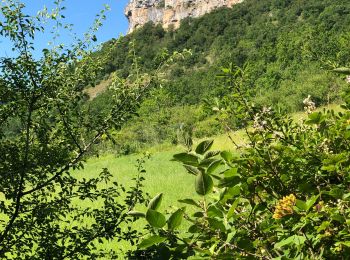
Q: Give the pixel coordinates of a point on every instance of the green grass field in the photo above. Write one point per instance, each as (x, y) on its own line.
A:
(162, 176)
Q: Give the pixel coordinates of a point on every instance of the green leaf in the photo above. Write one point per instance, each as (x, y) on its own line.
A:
(315, 118)
(310, 202)
(212, 248)
(194, 229)
(150, 241)
(155, 218)
(231, 173)
(323, 226)
(296, 240)
(155, 202)
(186, 158)
(190, 202)
(306, 205)
(191, 169)
(301, 205)
(211, 154)
(338, 217)
(204, 146)
(175, 219)
(213, 211)
(213, 166)
(206, 162)
(137, 214)
(204, 184)
(232, 209)
(229, 182)
(235, 190)
(227, 156)
(216, 224)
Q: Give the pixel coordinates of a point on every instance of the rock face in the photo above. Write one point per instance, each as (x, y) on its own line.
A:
(170, 12)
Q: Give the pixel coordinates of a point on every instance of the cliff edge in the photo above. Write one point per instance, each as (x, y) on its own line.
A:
(170, 12)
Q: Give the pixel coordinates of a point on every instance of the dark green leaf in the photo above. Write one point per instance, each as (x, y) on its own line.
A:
(336, 193)
(137, 214)
(213, 166)
(217, 224)
(211, 154)
(207, 162)
(191, 169)
(204, 184)
(204, 146)
(186, 158)
(338, 217)
(194, 229)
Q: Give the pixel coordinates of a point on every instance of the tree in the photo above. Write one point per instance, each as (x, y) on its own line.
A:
(46, 132)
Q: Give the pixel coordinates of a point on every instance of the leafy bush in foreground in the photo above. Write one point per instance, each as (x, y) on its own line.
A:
(284, 195)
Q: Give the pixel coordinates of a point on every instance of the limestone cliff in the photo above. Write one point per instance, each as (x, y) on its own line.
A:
(170, 12)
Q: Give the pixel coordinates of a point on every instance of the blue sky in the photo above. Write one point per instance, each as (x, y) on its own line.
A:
(81, 14)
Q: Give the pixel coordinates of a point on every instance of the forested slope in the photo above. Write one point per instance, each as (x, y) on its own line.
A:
(286, 48)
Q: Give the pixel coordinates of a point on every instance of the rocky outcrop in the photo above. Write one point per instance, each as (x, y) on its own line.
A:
(170, 12)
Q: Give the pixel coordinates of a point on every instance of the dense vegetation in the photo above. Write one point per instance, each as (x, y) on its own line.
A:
(46, 132)
(283, 195)
(287, 47)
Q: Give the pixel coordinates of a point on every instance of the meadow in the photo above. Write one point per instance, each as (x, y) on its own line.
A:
(162, 174)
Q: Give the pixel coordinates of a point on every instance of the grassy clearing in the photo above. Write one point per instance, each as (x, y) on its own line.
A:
(162, 176)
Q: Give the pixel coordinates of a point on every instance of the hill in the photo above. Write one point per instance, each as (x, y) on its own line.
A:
(286, 48)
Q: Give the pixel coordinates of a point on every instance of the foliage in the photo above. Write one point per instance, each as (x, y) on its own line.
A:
(287, 46)
(283, 195)
(46, 131)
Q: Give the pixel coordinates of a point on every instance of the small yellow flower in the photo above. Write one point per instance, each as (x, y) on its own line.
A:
(284, 206)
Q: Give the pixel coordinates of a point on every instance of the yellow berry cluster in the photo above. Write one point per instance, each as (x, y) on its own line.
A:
(284, 206)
